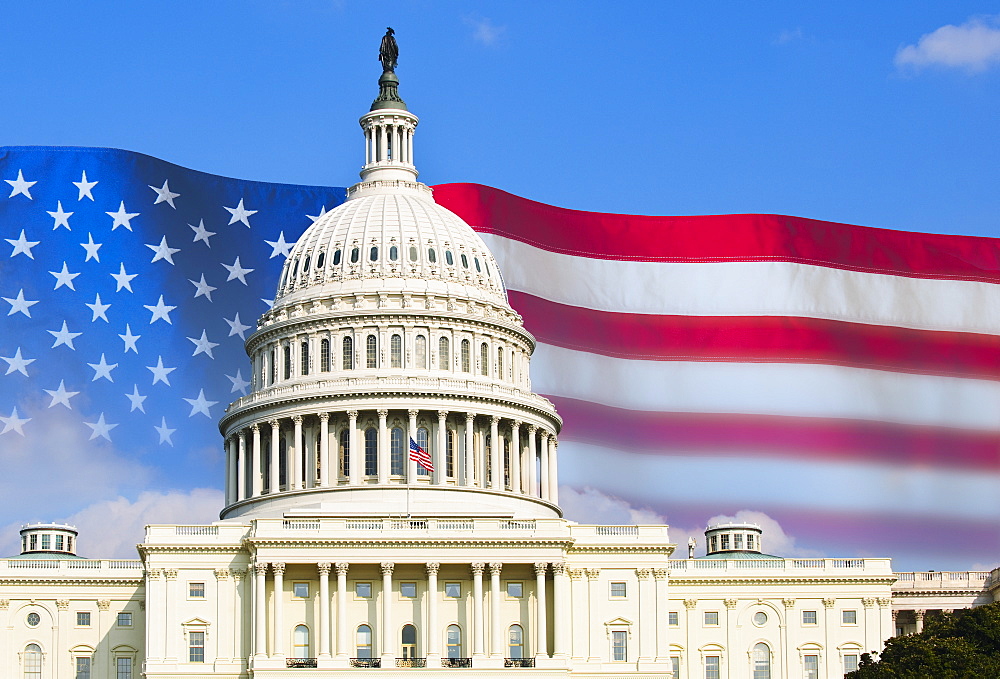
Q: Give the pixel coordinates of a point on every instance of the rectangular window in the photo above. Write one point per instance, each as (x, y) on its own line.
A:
(83, 668)
(672, 618)
(619, 645)
(811, 665)
(363, 590)
(124, 666)
(713, 665)
(750, 541)
(46, 541)
(515, 590)
(59, 543)
(34, 542)
(808, 617)
(618, 590)
(675, 666)
(849, 617)
(711, 618)
(83, 618)
(196, 590)
(124, 619)
(453, 590)
(196, 647)
(738, 541)
(300, 590)
(724, 541)
(850, 663)
(408, 590)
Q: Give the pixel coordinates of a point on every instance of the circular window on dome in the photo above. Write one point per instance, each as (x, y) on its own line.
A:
(431, 255)
(448, 258)
(393, 253)
(465, 261)
(355, 253)
(373, 255)
(336, 258)
(759, 618)
(413, 253)
(33, 620)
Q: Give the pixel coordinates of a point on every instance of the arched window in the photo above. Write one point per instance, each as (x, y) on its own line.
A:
(396, 351)
(423, 440)
(506, 462)
(364, 641)
(453, 641)
(761, 661)
(371, 352)
(449, 463)
(324, 355)
(421, 352)
(274, 366)
(371, 451)
(499, 363)
(488, 457)
(515, 642)
(300, 642)
(465, 356)
(304, 358)
(33, 662)
(484, 359)
(409, 642)
(282, 461)
(348, 353)
(444, 355)
(345, 452)
(397, 458)
(287, 352)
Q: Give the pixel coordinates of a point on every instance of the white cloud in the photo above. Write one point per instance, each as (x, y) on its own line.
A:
(788, 36)
(775, 540)
(974, 46)
(484, 31)
(588, 505)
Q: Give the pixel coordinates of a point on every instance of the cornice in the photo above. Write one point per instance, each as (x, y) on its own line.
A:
(678, 580)
(110, 581)
(254, 543)
(937, 592)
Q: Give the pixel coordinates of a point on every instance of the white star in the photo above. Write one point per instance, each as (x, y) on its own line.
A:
(13, 422)
(64, 277)
(99, 309)
(101, 428)
(201, 233)
(163, 251)
(122, 218)
(60, 395)
(91, 247)
(62, 218)
(103, 369)
(164, 431)
(236, 271)
(85, 187)
(239, 384)
(160, 310)
(16, 362)
(203, 345)
(129, 339)
(322, 211)
(159, 372)
(200, 404)
(19, 303)
(64, 336)
(202, 288)
(124, 280)
(236, 327)
(21, 186)
(280, 247)
(165, 195)
(240, 214)
(21, 244)
(268, 302)
(136, 399)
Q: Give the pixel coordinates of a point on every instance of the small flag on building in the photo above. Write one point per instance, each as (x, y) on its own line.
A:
(420, 456)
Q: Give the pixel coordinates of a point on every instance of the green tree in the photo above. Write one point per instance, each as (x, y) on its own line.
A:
(961, 645)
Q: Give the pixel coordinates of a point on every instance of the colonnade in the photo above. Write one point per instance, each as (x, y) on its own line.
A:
(389, 141)
(467, 450)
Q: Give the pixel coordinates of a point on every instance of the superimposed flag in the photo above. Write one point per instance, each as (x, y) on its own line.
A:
(420, 456)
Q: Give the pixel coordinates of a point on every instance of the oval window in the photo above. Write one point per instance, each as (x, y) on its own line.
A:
(336, 258)
(373, 255)
(465, 261)
(393, 253)
(476, 260)
(759, 618)
(448, 258)
(305, 265)
(431, 255)
(355, 253)
(320, 259)
(33, 619)
(413, 253)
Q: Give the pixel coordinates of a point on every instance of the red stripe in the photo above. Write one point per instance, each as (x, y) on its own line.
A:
(769, 339)
(776, 436)
(721, 238)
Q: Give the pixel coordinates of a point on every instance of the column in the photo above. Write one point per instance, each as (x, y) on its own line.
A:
(230, 445)
(241, 467)
(496, 461)
(295, 468)
(278, 647)
(496, 632)
(662, 609)
(478, 636)
(543, 446)
(383, 447)
(171, 613)
(342, 637)
(442, 446)
(354, 465)
(324, 449)
(647, 616)
(470, 464)
(155, 598)
(411, 465)
(532, 461)
(541, 612)
(581, 615)
(225, 641)
(561, 610)
(259, 614)
(409, 148)
(515, 457)
(553, 470)
(919, 616)
(432, 633)
(256, 480)
(323, 629)
(388, 630)
(597, 643)
(274, 481)
(241, 612)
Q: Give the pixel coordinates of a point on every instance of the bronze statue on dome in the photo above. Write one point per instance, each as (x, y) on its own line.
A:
(388, 52)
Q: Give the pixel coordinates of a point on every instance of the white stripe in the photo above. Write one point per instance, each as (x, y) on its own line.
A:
(802, 390)
(748, 289)
(759, 482)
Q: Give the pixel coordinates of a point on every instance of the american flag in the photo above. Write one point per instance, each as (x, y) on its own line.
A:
(420, 456)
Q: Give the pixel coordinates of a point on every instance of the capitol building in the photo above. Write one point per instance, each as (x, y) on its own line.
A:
(392, 506)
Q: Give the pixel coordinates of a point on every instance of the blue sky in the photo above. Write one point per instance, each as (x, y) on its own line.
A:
(868, 113)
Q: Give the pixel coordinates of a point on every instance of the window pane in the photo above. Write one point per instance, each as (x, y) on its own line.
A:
(324, 355)
(364, 641)
(808, 617)
(371, 451)
(712, 667)
(515, 642)
(618, 589)
(345, 457)
(33, 662)
(444, 356)
(420, 351)
(811, 663)
(408, 590)
(363, 590)
(396, 351)
(124, 619)
(850, 617)
(711, 617)
(672, 618)
(83, 619)
(850, 663)
(196, 647)
(454, 641)
(423, 440)
(300, 642)
(196, 590)
(348, 353)
(484, 359)
(300, 590)
(82, 668)
(761, 662)
(619, 641)
(453, 590)
(124, 666)
(371, 352)
(515, 590)
(304, 358)
(396, 460)
(465, 357)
